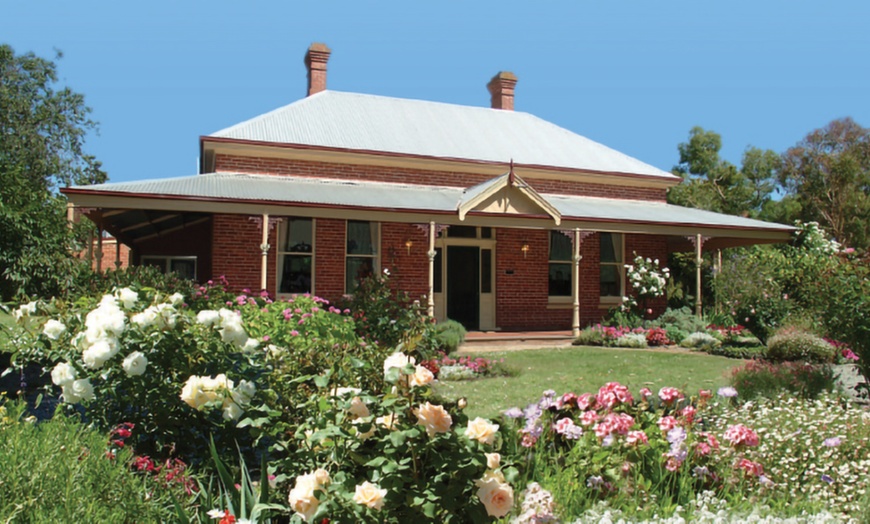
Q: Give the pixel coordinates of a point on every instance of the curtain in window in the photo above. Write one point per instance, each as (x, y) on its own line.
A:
(362, 238)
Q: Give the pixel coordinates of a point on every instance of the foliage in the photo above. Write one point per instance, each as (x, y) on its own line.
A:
(590, 336)
(448, 336)
(42, 132)
(682, 318)
(675, 334)
(626, 316)
(741, 352)
(828, 173)
(392, 457)
(711, 183)
(700, 341)
(389, 318)
(632, 340)
(767, 379)
(62, 471)
(797, 345)
(90, 283)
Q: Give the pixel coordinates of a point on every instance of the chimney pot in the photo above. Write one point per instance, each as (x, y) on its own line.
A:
(501, 87)
(315, 61)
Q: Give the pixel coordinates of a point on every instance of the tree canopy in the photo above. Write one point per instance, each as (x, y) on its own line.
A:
(42, 133)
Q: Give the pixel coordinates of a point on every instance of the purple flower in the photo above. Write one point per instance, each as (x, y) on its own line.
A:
(676, 436)
(513, 413)
(595, 482)
(727, 392)
(701, 471)
(832, 442)
(828, 479)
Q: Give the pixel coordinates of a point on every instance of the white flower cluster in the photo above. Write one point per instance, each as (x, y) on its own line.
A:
(229, 324)
(99, 342)
(74, 389)
(538, 507)
(813, 238)
(199, 391)
(25, 311)
(646, 278)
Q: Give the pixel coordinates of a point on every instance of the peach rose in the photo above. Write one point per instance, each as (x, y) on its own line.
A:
(481, 430)
(302, 499)
(358, 408)
(421, 377)
(493, 460)
(370, 495)
(434, 418)
(497, 497)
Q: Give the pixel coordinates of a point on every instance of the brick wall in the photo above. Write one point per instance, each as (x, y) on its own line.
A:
(236, 252)
(329, 251)
(409, 268)
(190, 241)
(277, 166)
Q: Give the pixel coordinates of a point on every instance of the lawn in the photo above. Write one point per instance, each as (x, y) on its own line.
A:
(582, 369)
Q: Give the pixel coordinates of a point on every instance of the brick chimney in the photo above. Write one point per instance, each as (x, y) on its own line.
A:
(501, 87)
(315, 61)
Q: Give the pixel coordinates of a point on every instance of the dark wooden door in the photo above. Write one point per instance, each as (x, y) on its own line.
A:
(463, 285)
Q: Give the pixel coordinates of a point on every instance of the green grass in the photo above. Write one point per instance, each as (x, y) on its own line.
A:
(585, 369)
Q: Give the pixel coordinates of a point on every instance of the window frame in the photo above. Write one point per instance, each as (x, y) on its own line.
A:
(280, 254)
(167, 262)
(610, 301)
(569, 262)
(376, 257)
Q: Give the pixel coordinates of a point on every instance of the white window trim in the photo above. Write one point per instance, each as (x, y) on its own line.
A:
(279, 261)
(376, 264)
(559, 299)
(620, 267)
(167, 262)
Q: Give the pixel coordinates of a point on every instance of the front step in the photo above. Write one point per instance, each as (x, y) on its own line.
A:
(487, 341)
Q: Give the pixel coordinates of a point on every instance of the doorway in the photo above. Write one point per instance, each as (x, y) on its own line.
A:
(463, 285)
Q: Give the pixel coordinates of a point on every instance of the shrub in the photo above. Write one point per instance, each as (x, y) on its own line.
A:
(700, 341)
(675, 334)
(742, 352)
(792, 345)
(632, 340)
(61, 471)
(456, 372)
(591, 336)
(767, 379)
(681, 318)
(448, 336)
(657, 337)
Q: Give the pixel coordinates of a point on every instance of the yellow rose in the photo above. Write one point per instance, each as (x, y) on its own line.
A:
(493, 460)
(370, 495)
(421, 377)
(497, 497)
(481, 430)
(434, 418)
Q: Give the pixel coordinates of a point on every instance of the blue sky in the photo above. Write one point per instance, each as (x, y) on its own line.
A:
(635, 76)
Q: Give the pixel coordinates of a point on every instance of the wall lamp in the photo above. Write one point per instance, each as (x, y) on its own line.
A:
(408, 244)
(525, 249)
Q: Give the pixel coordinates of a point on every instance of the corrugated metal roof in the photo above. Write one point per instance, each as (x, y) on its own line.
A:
(432, 129)
(301, 190)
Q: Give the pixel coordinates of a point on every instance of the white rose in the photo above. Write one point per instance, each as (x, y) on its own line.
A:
(244, 392)
(232, 411)
(166, 315)
(146, 318)
(387, 421)
(99, 352)
(63, 374)
(176, 299)
(69, 395)
(250, 345)
(421, 377)
(397, 360)
(302, 499)
(127, 296)
(370, 495)
(208, 317)
(25, 310)
(192, 393)
(359, 433)
(53, 329)
(135, 363)
(340, 392)
(82, 389)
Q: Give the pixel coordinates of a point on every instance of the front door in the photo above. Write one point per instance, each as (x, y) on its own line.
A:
(463, 285)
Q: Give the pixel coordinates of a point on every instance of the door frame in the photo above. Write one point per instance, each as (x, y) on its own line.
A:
(487, 300)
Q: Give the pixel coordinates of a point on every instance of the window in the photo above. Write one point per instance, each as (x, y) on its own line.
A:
(469, 232)
(184, 266)
(486, 270)
(560, 265)
(362, 252)
(296, 255)
(612, 266)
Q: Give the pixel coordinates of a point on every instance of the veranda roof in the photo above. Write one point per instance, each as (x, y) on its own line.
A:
(362, 122)
(254, 194)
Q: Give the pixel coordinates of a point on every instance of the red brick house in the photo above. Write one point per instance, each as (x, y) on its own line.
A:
(493, 217)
